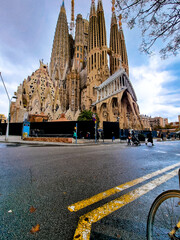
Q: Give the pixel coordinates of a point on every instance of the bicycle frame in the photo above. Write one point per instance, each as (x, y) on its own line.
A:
(174, 230)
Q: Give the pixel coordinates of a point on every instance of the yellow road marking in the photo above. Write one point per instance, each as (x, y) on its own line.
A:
(87, 202)
(83, 230)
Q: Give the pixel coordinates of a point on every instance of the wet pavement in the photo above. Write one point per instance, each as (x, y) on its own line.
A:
(52, 178)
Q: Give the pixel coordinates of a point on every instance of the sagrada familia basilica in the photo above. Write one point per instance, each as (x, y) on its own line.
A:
(79, 77)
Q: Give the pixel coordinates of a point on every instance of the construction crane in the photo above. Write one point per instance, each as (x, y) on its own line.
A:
(72, 18)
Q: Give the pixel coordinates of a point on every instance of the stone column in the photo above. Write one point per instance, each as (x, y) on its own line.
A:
(117, 85)
(108, 92)
(97, 95)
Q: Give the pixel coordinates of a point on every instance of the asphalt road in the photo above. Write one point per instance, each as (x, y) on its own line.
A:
(52, 178)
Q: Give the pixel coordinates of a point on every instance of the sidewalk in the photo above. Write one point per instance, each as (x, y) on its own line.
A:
(80, 142)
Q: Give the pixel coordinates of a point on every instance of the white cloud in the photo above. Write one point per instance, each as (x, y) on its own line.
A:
(13, 75)
(150, 84)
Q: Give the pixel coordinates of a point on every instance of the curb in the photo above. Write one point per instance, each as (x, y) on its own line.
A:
(60, 144)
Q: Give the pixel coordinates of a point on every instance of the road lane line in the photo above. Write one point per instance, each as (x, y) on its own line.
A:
(83, 230)
(89, 201)
(160, 151)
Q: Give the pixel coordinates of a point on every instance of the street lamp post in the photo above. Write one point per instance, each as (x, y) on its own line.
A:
(10, 100)
(95, 122)
(119, 127)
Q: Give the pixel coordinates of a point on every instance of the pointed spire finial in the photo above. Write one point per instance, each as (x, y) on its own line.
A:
(113, 5)
(120, 18)
(100, 6)
(63, 3)
(93, 8)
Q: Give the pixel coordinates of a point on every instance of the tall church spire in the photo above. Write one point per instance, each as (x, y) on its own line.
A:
(93, 34)
(93, 55)
(115, 58)
(123, 51)
(102, 25)
(93, 8)
(102, 38)
(60, 51)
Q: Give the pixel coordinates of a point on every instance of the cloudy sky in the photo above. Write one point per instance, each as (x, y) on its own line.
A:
(26, 35)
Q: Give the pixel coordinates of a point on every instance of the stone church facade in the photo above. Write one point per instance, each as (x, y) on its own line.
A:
(79, 78)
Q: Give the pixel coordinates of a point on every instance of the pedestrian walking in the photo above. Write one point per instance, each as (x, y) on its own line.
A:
(97, 135)
(150, 138)
(129, 138)
(162, 136)
(74, 135)
(102, 135)
(133, 135)
(113, 137)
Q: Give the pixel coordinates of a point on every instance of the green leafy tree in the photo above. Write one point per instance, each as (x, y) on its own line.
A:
(86, 115)
(168, 126)
(157, 127)
(158, 19)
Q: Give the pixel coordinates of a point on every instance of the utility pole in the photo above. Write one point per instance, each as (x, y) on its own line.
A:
(118, 118)
(76, 132)
(10, 100)
(95, 131)
(95, 122)
(5, 87)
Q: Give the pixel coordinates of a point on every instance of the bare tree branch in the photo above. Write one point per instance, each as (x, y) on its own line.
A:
(159, 21)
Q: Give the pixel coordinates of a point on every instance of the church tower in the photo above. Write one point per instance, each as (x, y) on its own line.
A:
(115, 57)
(79, 43)
(102, 41)
(124, 57)
(93, 57)
(60, 56)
